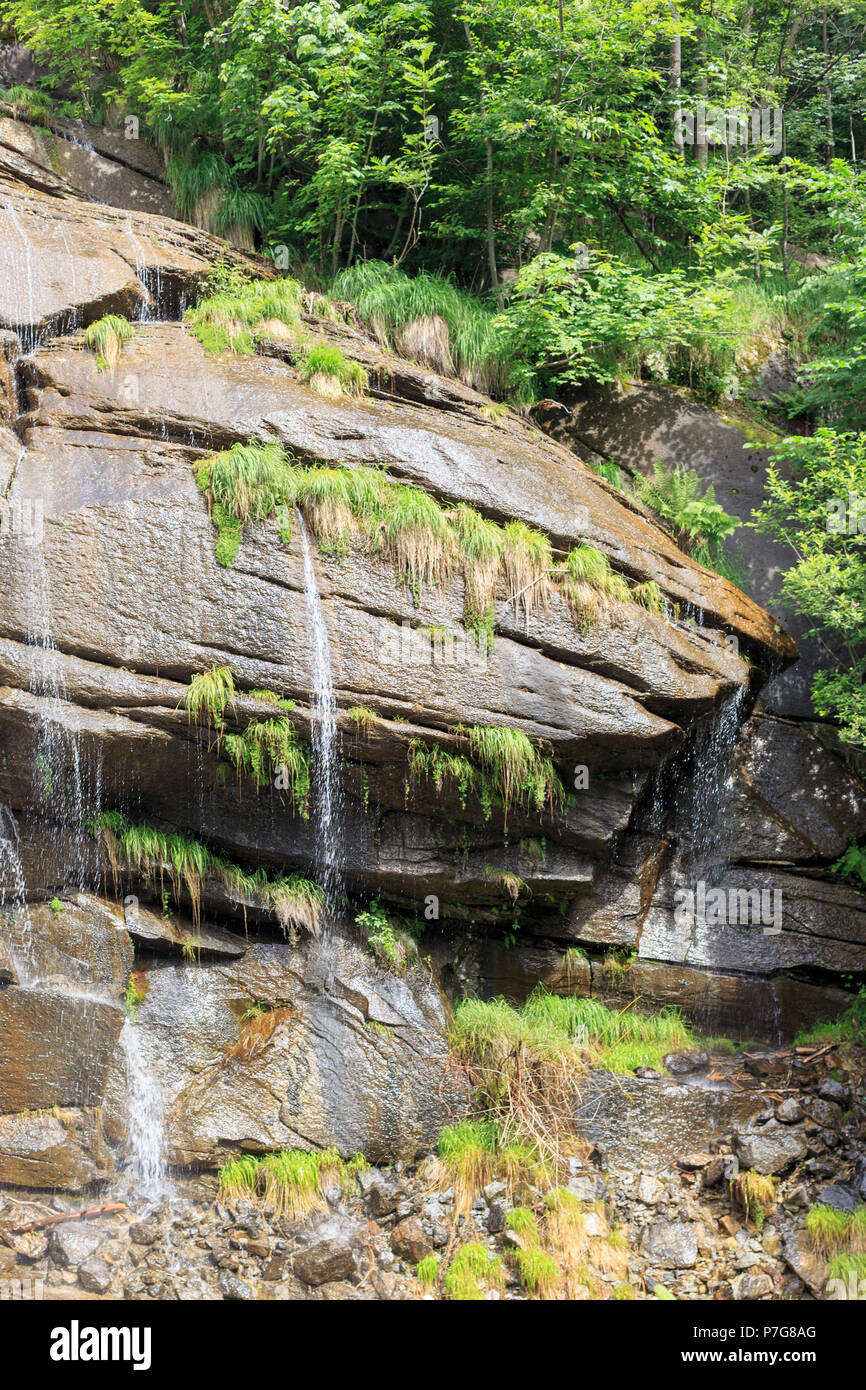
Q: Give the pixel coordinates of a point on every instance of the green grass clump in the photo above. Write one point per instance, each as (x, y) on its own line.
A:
(528, 561)
(210, 694)
(29, 102)
(290, 1182)
(388, 300)
(297, 903)
(362, 718)
(845, 1266)
(756, 1195)
(106, 337)
(468, 1152)
(134, 994)
(239, 1177)
(612, 1040)
(539, 1273)
(624, 1293)
(522, 1221)
(473, 1272)
(649, 596)
(329, 371)
(234, 315)
(437, 765)
(834, 1232)
(427, 1271)
(516, 767)
(589, 584)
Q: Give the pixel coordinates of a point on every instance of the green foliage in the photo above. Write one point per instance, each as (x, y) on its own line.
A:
(233, 315)
(271, 754)
(209, 694)
(756, 1193)
(388, 300)
(832, 1232)
(390, 942)
(517, 769)
(362, 718)
(522, 1221)
(134, 995)
(147, 852)
(427, 1270)
(539, 1273)
(473, 1272)
(291, 1182)
(700, 525)
(56, 907)
(816, 504)
(328, 370)
(105, 338)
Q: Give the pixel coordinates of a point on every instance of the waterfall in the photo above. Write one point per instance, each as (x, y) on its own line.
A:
(144, 1117)
(58, 755)
(327, 795)
(14, 911)
(708, 793)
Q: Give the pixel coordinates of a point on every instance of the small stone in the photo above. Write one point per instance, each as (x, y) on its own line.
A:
(495, 1219)
(649, 1190)
(145, 1232)
(494, 1190)
(825, 1114)
(30, 1245)
(71, 1245)
(235, 1289)
(682, 1063)
(276, 1268)
(671, 1243)
(839, 1196)
(747, 1286)
(408, 1240)
(95, 1275)
(325, 1261)
(790, 1111)
(834, 1091)
(696, 1160)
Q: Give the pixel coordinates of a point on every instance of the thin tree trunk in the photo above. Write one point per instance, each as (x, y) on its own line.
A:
(675, 81)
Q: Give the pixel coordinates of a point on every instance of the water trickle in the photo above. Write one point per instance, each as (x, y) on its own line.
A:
(710, 784)
(145, 1118)
(327, 793)
(62, 795)
(14, 912)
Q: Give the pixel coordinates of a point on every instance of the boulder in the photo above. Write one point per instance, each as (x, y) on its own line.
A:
(325, 1261)
(672, 1244)
(771, 1149)
(55, 1048)
(62, 1149)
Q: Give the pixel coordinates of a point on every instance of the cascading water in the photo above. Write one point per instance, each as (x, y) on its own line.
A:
(710, 783)
(14, 913)
(326, 743)
(145, 1118)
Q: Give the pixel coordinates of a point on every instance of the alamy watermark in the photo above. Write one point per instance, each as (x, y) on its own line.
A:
(713, 125)
(846, 516)
(701, 906)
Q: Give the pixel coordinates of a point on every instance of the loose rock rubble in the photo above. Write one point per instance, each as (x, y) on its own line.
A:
(682, 1226)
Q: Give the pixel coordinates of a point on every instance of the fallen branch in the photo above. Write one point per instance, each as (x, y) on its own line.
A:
(105, 1209)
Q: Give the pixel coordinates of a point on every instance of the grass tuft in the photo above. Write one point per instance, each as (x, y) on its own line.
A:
(106, 337)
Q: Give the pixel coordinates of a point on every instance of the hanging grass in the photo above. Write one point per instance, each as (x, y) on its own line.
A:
(756, 1194)
(363, 720)
(516, 767)
(833, 1232)
(328, 370)
(297, 903)
(176, 857)
(528, 560)
(389, 300)
(105, 338)
(414, 532)
(237, 312)
(481, 544)
(589, 584)
(271, 754)
(209, 694)
(248, 480)
(434, 764)
(649, 596)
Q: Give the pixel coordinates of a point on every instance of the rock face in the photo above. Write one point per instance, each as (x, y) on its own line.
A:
(114, 601)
